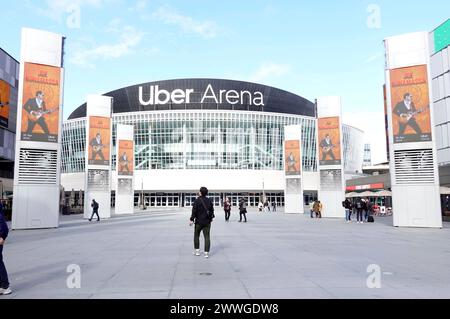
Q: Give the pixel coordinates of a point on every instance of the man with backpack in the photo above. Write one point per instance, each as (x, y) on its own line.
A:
(94, 206)
(202, 215)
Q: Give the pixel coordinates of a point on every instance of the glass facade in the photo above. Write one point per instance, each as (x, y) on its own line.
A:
(353, 142)
(199, 139)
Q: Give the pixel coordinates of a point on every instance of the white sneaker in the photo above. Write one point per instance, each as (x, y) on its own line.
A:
(206, 254)
(196, 252)
(5, 291)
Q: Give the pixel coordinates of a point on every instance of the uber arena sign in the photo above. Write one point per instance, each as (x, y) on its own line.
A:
(158, 96)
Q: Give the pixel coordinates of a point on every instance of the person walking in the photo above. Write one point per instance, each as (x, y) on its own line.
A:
(274, 206)
(348, 210)
(4, 282)
(318, 208)
(202, 215)
(242, 210)
(94, 206)
(227, 209)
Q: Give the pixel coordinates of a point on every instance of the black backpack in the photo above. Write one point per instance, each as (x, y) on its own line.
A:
(359, 204)
(208, 212)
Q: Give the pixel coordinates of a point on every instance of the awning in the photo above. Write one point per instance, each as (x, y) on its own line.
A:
(351, 194)
(444, 190)
(383, 193)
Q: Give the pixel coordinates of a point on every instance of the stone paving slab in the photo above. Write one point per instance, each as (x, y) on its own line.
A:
(273, 256)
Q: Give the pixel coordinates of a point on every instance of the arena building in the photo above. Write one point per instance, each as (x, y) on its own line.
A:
(223, 134)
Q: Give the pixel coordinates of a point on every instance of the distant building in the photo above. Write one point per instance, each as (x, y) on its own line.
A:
(367, 159)
(9, 85)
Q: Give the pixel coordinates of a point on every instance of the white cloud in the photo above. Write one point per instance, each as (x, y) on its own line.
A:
(139, 6)
(57, 9)
(206, 29)
(372, 123)
(129, 37)
(268, 71)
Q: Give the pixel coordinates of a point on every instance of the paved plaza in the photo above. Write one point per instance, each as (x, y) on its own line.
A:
(274, 255)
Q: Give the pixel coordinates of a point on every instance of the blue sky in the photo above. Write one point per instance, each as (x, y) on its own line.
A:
(311, 48)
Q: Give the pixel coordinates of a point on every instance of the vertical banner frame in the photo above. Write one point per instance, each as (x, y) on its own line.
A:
(38, 161)
(412, 178)
(293, 170)
(330, 156)
(124, 177)
(98, 155)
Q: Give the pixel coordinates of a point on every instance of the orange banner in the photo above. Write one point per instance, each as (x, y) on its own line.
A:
(41, 102)
(4, 103)
(329, 141)
(410, 104)
(125, 158)
(99, 140)
(293, 160)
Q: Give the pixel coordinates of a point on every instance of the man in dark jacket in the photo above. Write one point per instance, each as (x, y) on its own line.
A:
(242, 210)
(94, 206)
(202, 216)
(348, 210)
(4, 283)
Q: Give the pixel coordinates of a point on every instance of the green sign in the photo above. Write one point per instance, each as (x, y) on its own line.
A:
(442, 36)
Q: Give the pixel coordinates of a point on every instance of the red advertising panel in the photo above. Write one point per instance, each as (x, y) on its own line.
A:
(4, 103)
(410, 103)
(41, 101)
(329, 141)
(99, 140)
(292, 157)
(125, 158)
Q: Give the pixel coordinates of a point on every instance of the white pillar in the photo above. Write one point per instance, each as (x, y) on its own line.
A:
(413, 160)
(293, 186)
(331, 166)
(124, 169)
(98, 169)
(38, 139)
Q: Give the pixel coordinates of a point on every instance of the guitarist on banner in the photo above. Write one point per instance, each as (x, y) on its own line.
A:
(35, 107)
(406, 111)
(327, 148)
(97, 147)
(123, 161)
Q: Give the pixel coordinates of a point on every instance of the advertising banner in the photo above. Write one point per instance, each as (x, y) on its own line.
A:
(125, 159)
(292, 157)
(410, 103)
(4, 103)
(329, 141)
(99, 140)
(41, 102)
